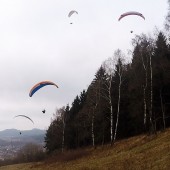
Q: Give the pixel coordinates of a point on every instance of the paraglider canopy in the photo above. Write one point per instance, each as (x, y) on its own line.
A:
(131, 13)
(24, 117)
(72, 12)
(39, 86)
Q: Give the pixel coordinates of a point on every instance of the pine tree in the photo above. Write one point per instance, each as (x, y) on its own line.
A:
(161, 73)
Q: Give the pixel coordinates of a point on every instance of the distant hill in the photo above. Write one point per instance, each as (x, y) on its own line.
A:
(34, 135)
(9, 133)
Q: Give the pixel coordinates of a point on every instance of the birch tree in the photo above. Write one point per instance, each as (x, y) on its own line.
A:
(96, 104)
(61, 113)
(150, 51)
(118, 72)
(145, 45)
(141, 44)
(109, 66)
(93, 99)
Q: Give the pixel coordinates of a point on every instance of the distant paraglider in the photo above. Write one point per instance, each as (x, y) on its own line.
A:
(24, 117)
(71, 13)
(131, 13)
(39, 86)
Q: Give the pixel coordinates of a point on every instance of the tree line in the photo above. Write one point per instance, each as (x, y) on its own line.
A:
(124, 98)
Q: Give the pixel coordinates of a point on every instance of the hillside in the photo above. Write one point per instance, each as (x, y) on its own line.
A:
(141, 152)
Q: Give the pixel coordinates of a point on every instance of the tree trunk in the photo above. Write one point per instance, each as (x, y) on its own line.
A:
(118, 106)
(63, 136)
(144, 101)
(162, 108)
(111, 112)
(151, 98)
(144, 91)
(92, 129)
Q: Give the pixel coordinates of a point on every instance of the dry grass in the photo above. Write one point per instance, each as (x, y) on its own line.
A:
(137, 153)
(67, 156)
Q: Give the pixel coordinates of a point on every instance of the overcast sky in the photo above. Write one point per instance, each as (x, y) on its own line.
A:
(37, 42)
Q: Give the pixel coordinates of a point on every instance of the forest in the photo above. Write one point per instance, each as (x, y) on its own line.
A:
(124, 99)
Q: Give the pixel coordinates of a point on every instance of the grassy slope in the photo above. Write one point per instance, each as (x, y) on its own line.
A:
(141, 152)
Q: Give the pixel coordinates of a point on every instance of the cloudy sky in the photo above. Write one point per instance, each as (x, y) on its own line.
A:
(37, 42)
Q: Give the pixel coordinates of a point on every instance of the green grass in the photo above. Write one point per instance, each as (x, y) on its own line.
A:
(136, 153)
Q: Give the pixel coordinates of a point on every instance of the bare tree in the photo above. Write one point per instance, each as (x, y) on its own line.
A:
(141, 44)
(145, 45)
(63, 117)
(92, 125)
(150, 50)
(93, 99)
(145, 67)
(109, 66)
(62, 114)
(119, 70)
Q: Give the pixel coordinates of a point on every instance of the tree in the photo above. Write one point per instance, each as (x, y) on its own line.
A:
(107, 91)
(118, 76)
(62, 113)
(101, 109)
(53, 137)
(141, 47)
(94, 102)
(92, 99)
(73, 129)
(144, 51)
(161, 66)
